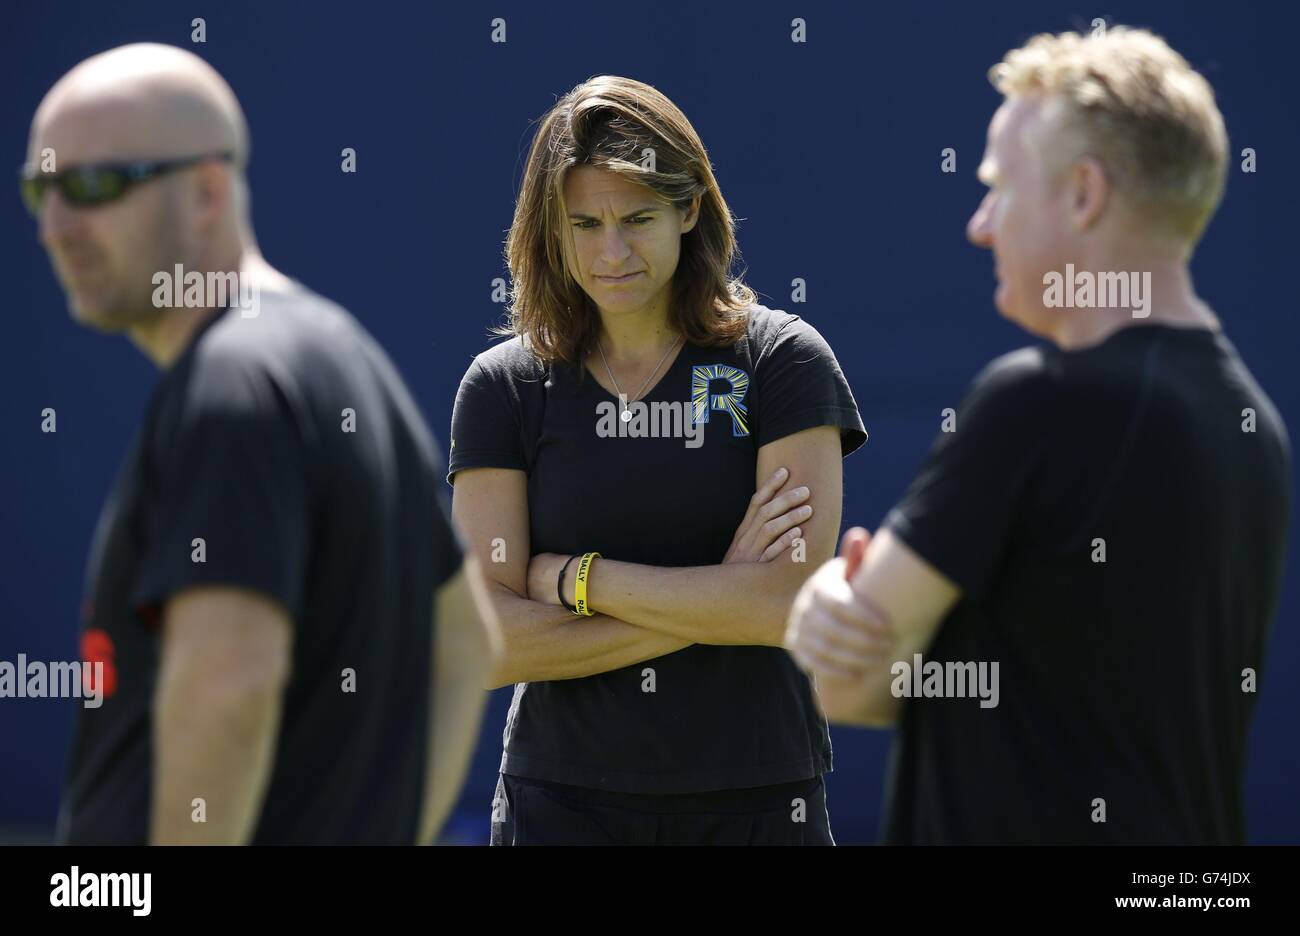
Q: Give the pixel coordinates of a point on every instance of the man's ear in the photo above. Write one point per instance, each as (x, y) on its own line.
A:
(1088, 189)
(211, 193)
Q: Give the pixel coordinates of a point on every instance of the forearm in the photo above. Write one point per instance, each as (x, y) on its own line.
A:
(743, 603)
(467, 640)
(899, 587)
(215, 745)
(457, 716)
(545, 642)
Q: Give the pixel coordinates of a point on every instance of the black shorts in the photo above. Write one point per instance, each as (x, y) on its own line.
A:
(537, 812)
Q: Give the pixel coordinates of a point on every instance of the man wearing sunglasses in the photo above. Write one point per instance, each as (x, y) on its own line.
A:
(266, 575)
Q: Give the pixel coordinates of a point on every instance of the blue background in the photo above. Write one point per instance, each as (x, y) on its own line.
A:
(828, 151)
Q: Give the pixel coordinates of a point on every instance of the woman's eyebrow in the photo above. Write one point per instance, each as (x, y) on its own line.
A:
(644, 210)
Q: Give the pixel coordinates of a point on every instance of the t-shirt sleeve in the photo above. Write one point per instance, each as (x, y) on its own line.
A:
(802, 386)
(485, 421)
(964, 506)
(229, 469)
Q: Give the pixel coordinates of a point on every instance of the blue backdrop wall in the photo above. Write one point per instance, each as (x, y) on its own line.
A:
(829, 152)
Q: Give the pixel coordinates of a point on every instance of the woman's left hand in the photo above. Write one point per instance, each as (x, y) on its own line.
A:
(543, 571)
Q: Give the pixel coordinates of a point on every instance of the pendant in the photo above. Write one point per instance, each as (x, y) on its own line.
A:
(627, 416)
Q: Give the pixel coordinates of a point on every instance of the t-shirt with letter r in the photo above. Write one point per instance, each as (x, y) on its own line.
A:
(667, 488)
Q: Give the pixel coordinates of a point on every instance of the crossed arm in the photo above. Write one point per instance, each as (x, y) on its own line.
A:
(644, 611)
(227, 651)
(878, 603)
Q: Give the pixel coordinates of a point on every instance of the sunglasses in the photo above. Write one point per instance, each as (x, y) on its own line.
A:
(100, 183)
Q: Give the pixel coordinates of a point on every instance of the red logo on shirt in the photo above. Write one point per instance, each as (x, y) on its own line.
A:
(97, 647)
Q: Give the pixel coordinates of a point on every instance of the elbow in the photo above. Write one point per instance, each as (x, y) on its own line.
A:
(864, 703)
(502, 652)
(860, 718)
(506, 666)
(509, 667)
(881, 714)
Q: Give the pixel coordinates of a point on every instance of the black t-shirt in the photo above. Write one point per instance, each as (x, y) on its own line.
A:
(337, 516)
(1119, 681)
(720, 717)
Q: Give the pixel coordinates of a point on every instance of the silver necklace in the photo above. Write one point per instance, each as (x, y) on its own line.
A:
(626, 415)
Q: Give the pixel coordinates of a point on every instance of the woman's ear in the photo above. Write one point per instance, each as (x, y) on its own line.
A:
(692, 214)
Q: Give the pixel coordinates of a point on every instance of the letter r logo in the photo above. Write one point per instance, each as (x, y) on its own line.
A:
(703, 402)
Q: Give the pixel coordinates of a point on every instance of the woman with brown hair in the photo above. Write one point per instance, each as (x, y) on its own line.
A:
(647, 470)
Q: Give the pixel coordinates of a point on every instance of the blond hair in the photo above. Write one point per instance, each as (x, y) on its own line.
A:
(1138, 107)
(609, 122)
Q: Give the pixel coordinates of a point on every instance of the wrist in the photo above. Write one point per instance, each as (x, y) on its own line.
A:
(571, 584)
(565, 584)
(582, 584)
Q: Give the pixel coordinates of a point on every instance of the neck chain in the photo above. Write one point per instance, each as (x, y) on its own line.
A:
(626, 414)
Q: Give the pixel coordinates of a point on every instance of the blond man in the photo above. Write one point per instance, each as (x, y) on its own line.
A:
(1066, 612)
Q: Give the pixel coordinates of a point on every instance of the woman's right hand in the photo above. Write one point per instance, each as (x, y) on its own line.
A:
(771, 524)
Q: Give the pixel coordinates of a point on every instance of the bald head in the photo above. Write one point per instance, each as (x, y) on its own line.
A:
(141, 103)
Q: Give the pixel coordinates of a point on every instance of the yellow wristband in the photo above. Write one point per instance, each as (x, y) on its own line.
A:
(580, 585)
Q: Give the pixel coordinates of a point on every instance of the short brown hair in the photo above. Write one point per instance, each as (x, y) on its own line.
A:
(1140, 109)
(608, 122)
